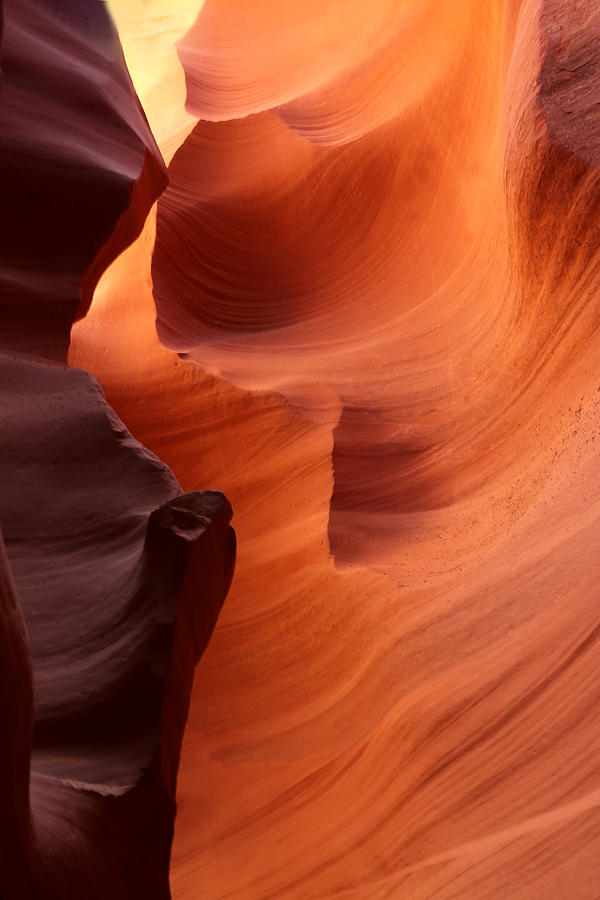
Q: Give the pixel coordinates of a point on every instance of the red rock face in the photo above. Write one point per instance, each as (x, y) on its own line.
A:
(111, 578)
(377, 259)
(67, 181)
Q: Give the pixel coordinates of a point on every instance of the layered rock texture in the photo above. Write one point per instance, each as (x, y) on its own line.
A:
(111, 578)
(366, 308)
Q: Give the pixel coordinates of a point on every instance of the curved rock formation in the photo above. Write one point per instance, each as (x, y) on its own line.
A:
(378, 256)
(80, 167)
(111, 578)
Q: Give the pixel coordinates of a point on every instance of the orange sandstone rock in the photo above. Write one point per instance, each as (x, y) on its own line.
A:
(378, 255)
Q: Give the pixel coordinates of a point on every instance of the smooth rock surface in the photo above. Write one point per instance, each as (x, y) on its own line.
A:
(111, 577)
(379, 253)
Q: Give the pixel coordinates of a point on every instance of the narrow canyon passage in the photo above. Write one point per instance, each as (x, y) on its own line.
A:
(375, 279)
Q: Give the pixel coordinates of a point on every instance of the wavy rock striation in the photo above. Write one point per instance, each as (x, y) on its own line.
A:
(378, 257)
(111, 578)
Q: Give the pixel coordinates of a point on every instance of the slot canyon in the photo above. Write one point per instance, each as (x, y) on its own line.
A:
(300, 434)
